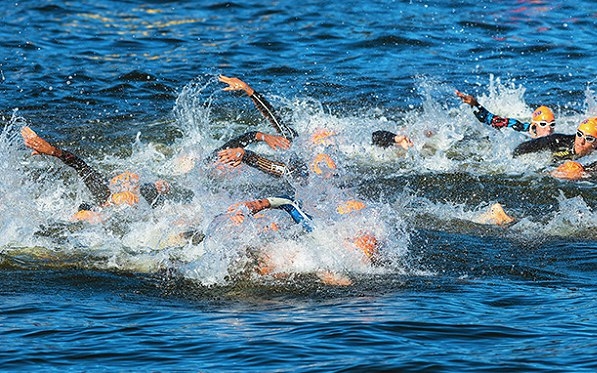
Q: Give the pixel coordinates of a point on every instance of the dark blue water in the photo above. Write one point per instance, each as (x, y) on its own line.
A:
(133, 85)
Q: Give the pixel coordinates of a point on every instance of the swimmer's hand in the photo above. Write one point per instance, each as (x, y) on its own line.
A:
(403, 141)
(39, 145)
(235, 84)
(162, 186)
(236, 211)
(467, 99)
(273, 141)
(232, 157)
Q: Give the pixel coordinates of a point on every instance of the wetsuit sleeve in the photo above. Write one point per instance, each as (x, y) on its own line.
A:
(156, 199)
(266, 165)
(296, 167)
(560, 145)
(240, 142)
(383, 139)
(95, 182)
(495, 121)
(270, 114)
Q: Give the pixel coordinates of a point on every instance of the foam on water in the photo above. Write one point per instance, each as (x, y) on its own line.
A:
(40, 194)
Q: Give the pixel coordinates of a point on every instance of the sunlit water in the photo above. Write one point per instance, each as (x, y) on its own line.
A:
(133, 86)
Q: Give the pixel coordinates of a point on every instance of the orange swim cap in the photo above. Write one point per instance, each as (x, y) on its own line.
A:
(350, 206)
(569, 170)
(322, 136)
(89, 216)
(367, 243)
(589, 126)
(322, 158)
(543, 114)
(125, 182)
(122, 198)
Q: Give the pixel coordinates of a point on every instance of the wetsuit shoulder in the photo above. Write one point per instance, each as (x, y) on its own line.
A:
(155, 199)
(241, 141)
(556, 143)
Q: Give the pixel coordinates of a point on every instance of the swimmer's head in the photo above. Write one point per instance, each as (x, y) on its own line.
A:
(322, 136)
(368, 244)
(326, 161)
(543, 122)
(124, 198)
(125, 182)
(586, 134)
(569, 170)
(350, 206)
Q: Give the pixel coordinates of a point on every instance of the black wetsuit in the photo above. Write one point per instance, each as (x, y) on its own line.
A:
(561, 146)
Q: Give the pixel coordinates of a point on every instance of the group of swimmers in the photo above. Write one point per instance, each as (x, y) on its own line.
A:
(127, 189)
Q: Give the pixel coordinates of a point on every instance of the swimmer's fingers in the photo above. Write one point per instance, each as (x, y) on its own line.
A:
(276, 142)
(467, 99)
(232, 157)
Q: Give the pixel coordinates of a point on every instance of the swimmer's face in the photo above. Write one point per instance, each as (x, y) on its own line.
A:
(584, 143)
(586, 136)
(540, 129)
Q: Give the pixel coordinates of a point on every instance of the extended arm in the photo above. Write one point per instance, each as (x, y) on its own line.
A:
(283, 203)
(235, 84)
(95, 182)
(495, 121)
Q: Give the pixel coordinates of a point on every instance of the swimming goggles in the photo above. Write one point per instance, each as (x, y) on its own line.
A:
(545, 124)
(588, 138)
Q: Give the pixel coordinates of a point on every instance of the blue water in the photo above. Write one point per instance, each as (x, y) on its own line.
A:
(131, 84)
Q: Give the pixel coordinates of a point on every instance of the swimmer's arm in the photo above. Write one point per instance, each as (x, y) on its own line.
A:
(263, 164)
(266, 109)
(240, 142)
(484, 116)
(495, 121)
(95, 182)
(269, 113)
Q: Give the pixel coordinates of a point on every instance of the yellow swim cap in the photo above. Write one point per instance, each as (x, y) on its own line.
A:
(589, 126)
(543, 114)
